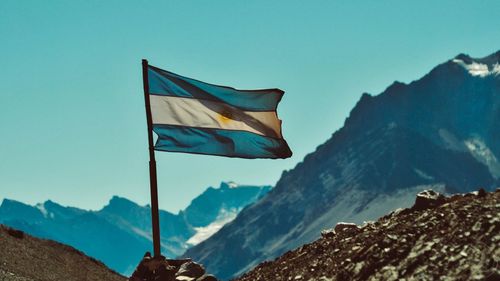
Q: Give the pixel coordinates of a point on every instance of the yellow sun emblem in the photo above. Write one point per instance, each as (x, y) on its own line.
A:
(225, 116)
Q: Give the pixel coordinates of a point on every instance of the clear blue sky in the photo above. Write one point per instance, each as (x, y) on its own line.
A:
(72, 118)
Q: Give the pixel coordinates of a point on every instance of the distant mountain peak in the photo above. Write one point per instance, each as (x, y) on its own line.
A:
(10, 203)
(395, 88)
(6, 202)
(206, 208)
(10, 209)
(228, 185)
(51, 204)
(117, 203)
(120, 200)
(481, 67)
(489, 59)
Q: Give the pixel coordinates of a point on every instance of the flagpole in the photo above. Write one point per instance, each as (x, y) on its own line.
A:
(152, 165)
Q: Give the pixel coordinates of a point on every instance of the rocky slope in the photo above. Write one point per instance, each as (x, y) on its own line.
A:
(455, 238)
(439, 132)
(26, 258)
(102, 234)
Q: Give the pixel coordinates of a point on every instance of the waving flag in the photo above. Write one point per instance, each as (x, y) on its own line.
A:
(196, 117)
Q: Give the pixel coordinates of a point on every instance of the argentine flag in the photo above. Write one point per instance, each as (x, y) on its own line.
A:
(196, 117)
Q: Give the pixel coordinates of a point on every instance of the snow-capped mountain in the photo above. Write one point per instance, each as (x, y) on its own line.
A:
(211, 210)
(120, 233)
(440, 132)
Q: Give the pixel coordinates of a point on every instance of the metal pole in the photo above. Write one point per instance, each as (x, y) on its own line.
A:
(152, 165)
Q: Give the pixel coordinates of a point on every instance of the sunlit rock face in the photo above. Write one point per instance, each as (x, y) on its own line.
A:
(440, 132)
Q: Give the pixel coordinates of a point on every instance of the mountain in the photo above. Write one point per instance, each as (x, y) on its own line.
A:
(214, 208)
(120, 233)
(452, 238)
(439, 132)
(26, 258)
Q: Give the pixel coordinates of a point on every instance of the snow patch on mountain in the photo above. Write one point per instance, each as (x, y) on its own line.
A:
(423, 174)
(476, 147)
(478, 69)
(141, 232)
(451, 141)
(41, 208)
(202, 233)
(482, 153)
(46, 214)
(496, 69)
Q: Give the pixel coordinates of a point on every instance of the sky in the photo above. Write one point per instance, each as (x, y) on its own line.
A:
(72, 117)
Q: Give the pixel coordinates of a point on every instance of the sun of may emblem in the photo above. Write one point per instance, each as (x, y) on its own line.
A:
(225, 115)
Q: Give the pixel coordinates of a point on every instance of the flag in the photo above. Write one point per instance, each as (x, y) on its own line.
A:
(196, 117)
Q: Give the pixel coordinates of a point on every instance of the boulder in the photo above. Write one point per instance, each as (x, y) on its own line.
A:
(347, 229)
(166, 272)
(428, 199)
(162, 269)
(481, 192)
(191, 269)
(150, 269)
(328, 233)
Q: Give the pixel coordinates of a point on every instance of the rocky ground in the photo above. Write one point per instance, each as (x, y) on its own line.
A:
(26, 258)
(454, 238)
(162, 269)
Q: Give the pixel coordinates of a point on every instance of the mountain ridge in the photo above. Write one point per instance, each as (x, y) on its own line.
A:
(102, 233)
(408, 137)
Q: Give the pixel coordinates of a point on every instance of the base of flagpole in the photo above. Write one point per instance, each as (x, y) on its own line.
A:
(160, 268)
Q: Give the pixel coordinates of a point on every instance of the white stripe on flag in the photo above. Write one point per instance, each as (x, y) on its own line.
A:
(191, 112)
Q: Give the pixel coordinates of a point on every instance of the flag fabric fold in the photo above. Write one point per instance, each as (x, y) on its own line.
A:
(196, 117)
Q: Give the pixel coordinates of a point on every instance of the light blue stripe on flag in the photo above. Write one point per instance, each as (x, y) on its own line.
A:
(229, 143)
(162, 82)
